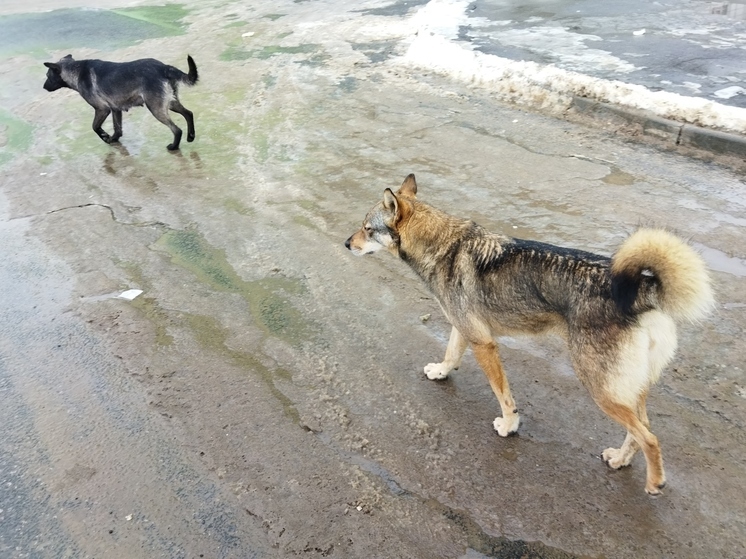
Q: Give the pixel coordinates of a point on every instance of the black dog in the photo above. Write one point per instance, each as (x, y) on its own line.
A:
(113, 87)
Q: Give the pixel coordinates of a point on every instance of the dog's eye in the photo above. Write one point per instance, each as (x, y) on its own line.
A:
(368, 230)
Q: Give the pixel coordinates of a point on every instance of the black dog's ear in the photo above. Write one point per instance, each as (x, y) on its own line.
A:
(70, 56)
(52, 66)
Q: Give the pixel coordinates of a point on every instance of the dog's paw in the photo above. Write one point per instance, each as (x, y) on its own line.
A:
(172, 147)
(437, 371)
(614, 458)
(506, 426)
(190, 137)
(654, 489)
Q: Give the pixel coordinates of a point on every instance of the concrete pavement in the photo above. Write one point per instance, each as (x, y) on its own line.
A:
(264, 396)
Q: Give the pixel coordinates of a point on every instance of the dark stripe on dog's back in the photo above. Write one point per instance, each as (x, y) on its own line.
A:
(486, 261)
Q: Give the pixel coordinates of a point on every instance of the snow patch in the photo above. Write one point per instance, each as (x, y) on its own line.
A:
(434, 48)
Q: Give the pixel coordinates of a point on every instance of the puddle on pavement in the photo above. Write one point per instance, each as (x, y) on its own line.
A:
(40, 33)
(148, 305)
(211, 335)
(399, 8)
(618, 178)
(719, 261)
(378, 51)
(267, 298)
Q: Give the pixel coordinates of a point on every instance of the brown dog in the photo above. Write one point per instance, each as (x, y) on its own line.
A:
(618, 315)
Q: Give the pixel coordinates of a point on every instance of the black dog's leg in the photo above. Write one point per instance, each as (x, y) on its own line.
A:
(177, 107)
(98, 120)
(116, 117)
(160, 112)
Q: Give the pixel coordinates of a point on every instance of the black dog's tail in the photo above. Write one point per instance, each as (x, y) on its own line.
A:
(192, 77)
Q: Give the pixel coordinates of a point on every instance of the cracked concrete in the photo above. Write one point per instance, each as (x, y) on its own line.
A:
(264, 396)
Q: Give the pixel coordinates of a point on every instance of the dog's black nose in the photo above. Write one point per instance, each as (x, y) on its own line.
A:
(347, 244)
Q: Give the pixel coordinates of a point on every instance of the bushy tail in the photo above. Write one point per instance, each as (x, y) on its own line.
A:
(655, 269)
(192, 77)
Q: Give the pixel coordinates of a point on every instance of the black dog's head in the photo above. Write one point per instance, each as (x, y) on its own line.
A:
(54, 74)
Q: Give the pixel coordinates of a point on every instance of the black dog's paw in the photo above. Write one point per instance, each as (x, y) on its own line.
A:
(105, 137)
(172, 147)
(190, 137)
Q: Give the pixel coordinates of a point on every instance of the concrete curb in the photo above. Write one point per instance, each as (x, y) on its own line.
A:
(670, 131)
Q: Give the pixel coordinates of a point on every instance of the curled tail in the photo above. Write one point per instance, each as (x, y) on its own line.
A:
(655, 269)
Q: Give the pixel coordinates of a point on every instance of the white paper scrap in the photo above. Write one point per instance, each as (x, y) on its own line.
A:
(130, 294)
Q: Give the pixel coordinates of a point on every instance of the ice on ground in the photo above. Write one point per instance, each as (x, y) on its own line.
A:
(729, 92)
(433, 46)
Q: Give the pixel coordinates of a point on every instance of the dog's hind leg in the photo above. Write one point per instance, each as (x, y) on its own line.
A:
(116, 117)
(489, 359)
(454, 352)
(620, 457)
(656, 477)
(160, 112)
(98, 119)
(177, 107)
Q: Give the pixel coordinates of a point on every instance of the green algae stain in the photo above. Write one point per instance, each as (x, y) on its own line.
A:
(237, 206)
(16, 136)
(169, 16)
(268, 298)
(240, 53)
(210, 335)
(72, 28)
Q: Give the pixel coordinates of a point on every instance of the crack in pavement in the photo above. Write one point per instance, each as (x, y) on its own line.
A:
(98, 205)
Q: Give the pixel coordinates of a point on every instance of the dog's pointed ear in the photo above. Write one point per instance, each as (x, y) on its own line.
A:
(408, 187)
(52, 66)
(390, 202)
(70, 56)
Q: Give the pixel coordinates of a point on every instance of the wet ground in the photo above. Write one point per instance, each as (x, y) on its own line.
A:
(689, 47)
(264, 395)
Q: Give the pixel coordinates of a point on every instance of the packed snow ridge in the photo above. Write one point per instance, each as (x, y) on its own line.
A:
(434, 47)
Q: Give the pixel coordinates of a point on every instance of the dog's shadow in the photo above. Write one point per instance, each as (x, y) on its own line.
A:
(119, 161)
(114, 158)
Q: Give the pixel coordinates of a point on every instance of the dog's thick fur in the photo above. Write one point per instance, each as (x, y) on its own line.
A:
(113, 87)
(618, 315)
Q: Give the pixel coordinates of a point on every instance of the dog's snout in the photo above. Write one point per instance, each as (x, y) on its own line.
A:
(347, 244)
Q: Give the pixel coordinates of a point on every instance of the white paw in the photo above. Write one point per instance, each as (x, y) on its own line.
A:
(614, 458)
(506, 426)
(437, 371)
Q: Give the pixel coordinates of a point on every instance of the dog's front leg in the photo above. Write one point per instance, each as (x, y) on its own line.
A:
(98, 120)
(489, 359)
(454, 353)
(116, 117)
